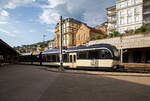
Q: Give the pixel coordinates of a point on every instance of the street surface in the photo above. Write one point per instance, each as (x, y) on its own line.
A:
(35, 83)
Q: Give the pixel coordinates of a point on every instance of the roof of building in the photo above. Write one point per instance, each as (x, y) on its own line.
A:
(111, 8)
(73, 20)
(95, 30)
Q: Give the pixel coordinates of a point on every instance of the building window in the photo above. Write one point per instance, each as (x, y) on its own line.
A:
(137, 18)
(129, 2)
(64, 25)
(64, 30)
(136, 1)
(121, 21)
(79, 37)
(129, 12)
(84, 36)
(67, 39)
(67, 24)
(67, 30)
(129, 20)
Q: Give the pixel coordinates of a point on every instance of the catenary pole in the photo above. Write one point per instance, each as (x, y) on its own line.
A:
(60, 45)
(121, 49)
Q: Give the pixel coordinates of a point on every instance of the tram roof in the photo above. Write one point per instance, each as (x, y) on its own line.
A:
(75, 49)
(91, 47)
(80, 48)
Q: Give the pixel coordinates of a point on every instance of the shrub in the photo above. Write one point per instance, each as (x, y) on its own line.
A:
(143, 29)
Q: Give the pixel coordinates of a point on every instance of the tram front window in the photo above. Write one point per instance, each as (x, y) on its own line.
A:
(105, 54)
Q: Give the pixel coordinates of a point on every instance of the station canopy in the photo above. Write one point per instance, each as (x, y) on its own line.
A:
(7, 50)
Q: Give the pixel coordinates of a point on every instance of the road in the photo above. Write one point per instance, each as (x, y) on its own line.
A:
(35, 83)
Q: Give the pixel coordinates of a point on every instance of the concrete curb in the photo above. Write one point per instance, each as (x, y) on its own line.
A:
(100, 72)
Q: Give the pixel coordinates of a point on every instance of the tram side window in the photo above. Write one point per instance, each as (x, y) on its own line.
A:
(65, 58)
(82, 55)
(105, 54)
(53, 58)
(70, 58)
(44, 58)
(74, 57)
(93, 55)
(57, 56)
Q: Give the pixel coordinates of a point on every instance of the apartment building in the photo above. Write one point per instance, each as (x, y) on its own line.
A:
(86, 34)
(146, 11)
(130, 14)
(70, 27)
(111, 13)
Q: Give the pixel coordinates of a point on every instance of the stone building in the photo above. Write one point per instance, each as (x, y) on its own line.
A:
(51, 44)
(86, 34)
(102, 27)
(70, 27)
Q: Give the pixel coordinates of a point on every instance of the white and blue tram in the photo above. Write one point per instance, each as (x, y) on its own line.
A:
(93, 56)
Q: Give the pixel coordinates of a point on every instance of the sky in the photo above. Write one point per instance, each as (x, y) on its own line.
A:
(24, 22)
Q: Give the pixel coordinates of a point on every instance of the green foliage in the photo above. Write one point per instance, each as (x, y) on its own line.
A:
(99, 37)
(114, 34)
(129, 31)
(142, 29)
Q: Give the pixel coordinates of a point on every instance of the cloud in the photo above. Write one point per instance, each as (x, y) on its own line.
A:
(11, 4)
(31, 31)
(3, 17)
(92, 12)
(49, 16)
(4, 13)
(5, 32)
(3, 22)
(54, 3)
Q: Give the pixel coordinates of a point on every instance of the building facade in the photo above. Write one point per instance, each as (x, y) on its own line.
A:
(111, 13)
(86, 34)
(51, 44)
(102, 27)
(70, 27)
(130, 14)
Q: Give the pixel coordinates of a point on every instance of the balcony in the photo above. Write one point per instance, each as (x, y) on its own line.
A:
(146, 4)
(111, 29)
(146, 12)
(147, 20)
(112, 21)
(111, 14)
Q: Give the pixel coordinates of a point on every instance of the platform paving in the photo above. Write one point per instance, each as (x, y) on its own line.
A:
(36, 83)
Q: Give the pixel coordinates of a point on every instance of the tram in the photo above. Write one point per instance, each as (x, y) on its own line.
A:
(93, 56)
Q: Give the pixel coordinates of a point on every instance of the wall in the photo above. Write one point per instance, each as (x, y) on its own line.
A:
(132, 41)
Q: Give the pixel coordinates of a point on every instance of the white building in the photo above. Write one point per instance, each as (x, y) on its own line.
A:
(131, 14)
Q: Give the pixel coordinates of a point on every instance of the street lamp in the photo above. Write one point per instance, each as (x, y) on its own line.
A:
(121, 50)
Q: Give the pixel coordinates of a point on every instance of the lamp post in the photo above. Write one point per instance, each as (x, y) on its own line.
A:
(60, 45)
(121, 50)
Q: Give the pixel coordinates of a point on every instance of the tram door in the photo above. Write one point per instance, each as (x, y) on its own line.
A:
(72, 60)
